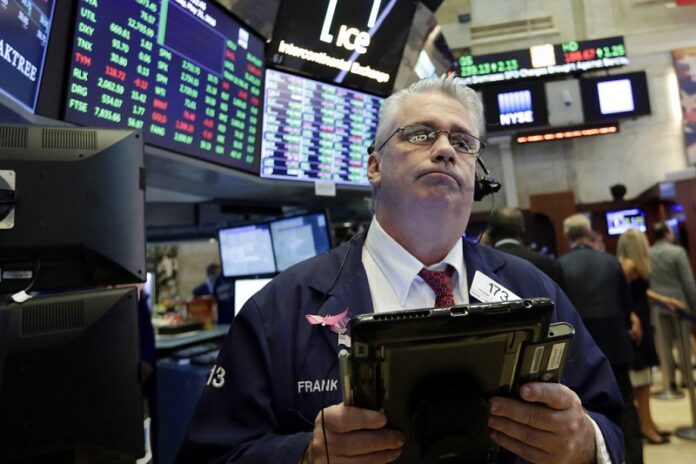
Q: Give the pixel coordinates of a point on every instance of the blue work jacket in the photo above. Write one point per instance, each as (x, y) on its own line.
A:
(276, 371)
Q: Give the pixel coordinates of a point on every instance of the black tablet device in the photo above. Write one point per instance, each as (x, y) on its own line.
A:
(432, 370)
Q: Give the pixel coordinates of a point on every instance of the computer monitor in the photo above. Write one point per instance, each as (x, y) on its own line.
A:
(74, 208)
(298, 238)
(616, 96)
(620, 221)
(315, 131)
(70, 388)
(24, 31)
(515, 106)
(246, 250)
(245, 289)
(187, 73)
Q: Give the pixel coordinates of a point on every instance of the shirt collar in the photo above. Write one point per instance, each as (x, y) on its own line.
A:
(400, 267)
(506, 241)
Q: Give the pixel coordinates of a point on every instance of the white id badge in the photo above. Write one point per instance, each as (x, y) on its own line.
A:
(487, 290)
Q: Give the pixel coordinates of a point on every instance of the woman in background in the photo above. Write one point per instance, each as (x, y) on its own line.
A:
(633, 253)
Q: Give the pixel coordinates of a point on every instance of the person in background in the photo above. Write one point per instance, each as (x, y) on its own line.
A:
(672, 276)
(505, 230)
(212, 274)
(257, 407)
(597, 241)
(597, 287)
(634, 256)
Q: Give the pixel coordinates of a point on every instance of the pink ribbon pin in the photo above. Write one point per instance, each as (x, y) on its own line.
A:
(336, 323)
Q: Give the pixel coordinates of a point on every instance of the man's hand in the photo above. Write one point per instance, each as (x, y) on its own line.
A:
(550, 426)
(355, 436)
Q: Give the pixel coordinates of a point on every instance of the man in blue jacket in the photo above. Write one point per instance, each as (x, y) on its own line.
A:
(276, 371)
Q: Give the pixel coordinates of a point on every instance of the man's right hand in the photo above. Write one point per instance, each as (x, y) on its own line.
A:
(353, 435)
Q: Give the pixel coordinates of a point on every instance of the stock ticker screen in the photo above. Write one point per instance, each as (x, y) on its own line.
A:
(183, 71)
(24, 30)
(316, 131)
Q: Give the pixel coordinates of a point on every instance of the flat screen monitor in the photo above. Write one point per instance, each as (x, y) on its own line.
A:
(24, 30)
(611, 97)
(513, 107)
(245, 289)
(246, 250)
(70, 378)
(355, 43)
(620, 221)
(74, 209)
(186, 73)
(315, 131)
(298, 238)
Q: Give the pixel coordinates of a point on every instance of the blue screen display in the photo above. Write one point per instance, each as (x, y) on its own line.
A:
(246, 250)
(183, 71)
(24, 29)
(620, 221)
(298, 238)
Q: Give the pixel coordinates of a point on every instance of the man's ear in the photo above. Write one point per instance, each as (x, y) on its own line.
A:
(373, 169)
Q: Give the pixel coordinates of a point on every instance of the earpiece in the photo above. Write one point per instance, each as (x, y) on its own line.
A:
(485, 185)
(371, 148)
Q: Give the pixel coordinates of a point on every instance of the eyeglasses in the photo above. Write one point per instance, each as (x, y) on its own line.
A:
(420, 134)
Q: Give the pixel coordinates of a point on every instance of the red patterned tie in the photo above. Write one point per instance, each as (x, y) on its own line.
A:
(441, 283)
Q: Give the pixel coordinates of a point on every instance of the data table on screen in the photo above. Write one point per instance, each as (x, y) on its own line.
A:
(24, 30)
(184, 72)
(316, 131)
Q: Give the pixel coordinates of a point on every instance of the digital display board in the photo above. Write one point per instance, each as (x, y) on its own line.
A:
(315, 131)
(183, 71)
(620, 221)
(246, 250)
(298, 238)
(542, 60)
(24, 29)
(611, 97)
(564, 133)
(356, 43)
(515, 106)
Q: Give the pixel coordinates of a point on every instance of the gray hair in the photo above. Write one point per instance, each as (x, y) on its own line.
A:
(576, 227)
(449, 85)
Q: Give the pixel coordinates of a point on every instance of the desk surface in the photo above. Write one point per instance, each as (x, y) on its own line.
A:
(167, 342)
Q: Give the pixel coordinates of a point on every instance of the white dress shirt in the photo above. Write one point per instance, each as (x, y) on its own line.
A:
(392, 273)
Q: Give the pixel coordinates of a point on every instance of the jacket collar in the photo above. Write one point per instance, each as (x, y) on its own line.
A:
(351, 282)
(479, 258)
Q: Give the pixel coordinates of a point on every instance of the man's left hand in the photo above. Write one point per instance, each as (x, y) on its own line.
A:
(549, 426)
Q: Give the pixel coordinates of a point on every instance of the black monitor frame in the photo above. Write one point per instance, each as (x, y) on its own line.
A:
(77, 208)
(70, 385)
(590, 96)
(327, 220)
(538, 105)
(226, 273)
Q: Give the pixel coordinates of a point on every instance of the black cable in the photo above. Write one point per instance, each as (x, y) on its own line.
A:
(37, 268)
(331, 367)
(478, 239)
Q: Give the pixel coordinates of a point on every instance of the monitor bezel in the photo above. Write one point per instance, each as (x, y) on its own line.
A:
(639, 90)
